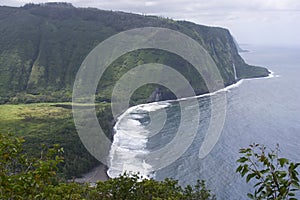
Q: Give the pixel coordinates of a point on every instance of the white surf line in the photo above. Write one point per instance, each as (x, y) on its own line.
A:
(234, 85)
(271, 75)
(166, 103)
(227, 88)
(125, 137)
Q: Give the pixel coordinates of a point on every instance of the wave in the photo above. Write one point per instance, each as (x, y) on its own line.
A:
(272, 75)
(131, 136)
(130, 140)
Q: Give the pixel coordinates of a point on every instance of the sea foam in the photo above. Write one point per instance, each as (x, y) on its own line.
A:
(128, 149)
(130, 139)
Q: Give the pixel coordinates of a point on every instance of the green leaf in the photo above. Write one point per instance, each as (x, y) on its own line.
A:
(296, 184)
(257, 184)
(282, 173)
(242, 160)
(291, 194)
(250, 176)
(250, 196)
(239, 168)
(245, 150)
(245, 170)
(260, 189)
(283, 161)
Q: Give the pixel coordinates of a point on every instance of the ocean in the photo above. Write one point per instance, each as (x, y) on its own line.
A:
(262, 110)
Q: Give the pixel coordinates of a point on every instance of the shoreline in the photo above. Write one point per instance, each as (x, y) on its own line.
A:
(100, 173)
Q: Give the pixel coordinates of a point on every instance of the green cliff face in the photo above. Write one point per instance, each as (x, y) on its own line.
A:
(43, 46)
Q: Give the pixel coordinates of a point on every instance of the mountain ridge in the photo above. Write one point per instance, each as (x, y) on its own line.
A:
(43, 46)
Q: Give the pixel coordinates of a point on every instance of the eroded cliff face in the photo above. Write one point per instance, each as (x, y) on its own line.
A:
(43, 46)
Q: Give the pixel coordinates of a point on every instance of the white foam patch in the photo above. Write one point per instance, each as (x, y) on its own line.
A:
(271, 75)
(126, 150)
(151, 107)
(228, 88)
(130, 140)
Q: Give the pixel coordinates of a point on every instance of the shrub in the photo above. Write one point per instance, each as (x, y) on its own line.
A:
(275, 177)
(24, 177)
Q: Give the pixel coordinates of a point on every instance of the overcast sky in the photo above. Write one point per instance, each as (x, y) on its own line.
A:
(274, 22)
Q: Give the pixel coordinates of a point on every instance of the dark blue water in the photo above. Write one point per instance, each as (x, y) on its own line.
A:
(265, 111)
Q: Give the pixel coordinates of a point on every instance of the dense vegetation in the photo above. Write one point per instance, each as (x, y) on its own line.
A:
(49, 124)
(43, 46)
(24, 177)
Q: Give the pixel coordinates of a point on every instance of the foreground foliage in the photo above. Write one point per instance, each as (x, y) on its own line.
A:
(24, 177)
(275, 177)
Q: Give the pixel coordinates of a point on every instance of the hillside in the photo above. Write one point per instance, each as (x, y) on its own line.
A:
(43, 46)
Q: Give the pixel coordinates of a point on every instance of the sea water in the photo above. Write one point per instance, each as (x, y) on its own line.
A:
(262, 110)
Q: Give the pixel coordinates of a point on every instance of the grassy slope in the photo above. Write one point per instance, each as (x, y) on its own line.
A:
(45, 123)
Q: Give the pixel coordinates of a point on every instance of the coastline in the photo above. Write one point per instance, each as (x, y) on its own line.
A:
(100, 173)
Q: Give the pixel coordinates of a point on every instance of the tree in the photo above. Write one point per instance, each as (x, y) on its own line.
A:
(275, 177)
(132, 186)
(24, 177)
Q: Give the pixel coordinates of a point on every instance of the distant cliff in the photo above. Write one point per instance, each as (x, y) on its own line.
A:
(43, 46)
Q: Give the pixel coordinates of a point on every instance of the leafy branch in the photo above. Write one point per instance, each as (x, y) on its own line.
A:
(276, 177)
